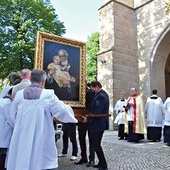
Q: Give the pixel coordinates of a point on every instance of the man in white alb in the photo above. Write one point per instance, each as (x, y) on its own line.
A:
(154, 114)
(32, 144)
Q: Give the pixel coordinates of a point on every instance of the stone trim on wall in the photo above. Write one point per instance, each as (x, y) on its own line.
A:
(142, 4)
(116, 2)
(105, 51)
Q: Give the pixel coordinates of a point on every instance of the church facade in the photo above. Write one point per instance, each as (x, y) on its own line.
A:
(134, 48)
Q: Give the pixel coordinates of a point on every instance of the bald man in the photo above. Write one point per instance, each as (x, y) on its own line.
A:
(25, 82)
(136, 117)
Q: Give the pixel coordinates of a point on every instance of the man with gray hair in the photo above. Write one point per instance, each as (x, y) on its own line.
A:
(135, 116)
(32, 145)
(25, 82)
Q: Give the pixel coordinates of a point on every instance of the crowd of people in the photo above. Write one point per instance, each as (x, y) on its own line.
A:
(135, 119)
(27, 111)
(27, 139)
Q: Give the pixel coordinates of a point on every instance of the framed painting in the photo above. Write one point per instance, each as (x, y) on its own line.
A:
(64, 61)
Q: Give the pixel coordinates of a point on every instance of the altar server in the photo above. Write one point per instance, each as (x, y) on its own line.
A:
(154, 114)
(5, 126)
(166, 132)
(32, 144)
(120, 118)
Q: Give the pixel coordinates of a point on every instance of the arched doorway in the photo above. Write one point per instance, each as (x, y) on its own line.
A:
(167, 77)
(160, 65)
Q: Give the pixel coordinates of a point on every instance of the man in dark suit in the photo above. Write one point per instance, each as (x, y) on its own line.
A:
(98, 123)
(83, 130)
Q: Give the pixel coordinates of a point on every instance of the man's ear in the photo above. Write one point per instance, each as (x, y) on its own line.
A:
(43, 83)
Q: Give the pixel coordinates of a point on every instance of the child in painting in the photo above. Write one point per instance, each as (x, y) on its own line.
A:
(58, 72)
(64, 59)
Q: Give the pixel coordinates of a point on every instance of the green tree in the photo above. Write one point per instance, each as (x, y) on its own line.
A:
(92, 49)
(20, 19)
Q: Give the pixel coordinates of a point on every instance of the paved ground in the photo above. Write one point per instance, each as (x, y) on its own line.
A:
(123, 155)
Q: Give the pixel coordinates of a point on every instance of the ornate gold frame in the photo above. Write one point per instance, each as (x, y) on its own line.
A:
(43, 37)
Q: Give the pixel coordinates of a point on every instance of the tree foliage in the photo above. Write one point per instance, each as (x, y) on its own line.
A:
(92, 49)
(20, 19)
(167, 4)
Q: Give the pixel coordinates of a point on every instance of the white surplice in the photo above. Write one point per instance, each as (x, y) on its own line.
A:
(5, 91)
(120, 118)
(166, 107)
(5, 123)
(33, 143)
(154, 112)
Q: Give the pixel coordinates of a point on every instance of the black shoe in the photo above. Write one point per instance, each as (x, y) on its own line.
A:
(103, 168)
(130, 140)
(96, 166)
(81, 161)
(121, 138)
(136, 141)
(90, 163)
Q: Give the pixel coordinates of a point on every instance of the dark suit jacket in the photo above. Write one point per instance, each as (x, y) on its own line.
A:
(100, 105)
(89, 98)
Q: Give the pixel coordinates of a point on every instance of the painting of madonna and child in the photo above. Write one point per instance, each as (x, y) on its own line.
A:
(63, 60)
(62, 67)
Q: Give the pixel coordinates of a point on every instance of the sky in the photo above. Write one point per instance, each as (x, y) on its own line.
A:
(80, 17)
